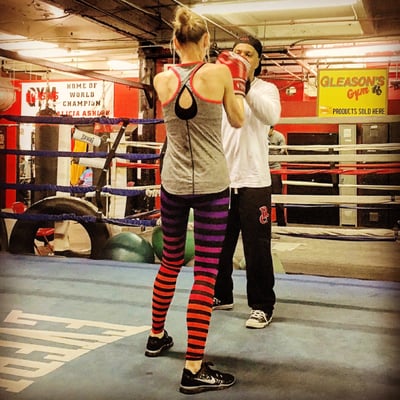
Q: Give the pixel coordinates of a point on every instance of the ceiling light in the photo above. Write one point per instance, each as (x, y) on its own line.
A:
(18, 42)
(274, 5)
(118, 65)
(55, 53)
(44, 52)
(370, 60)
(352, 51)
(54, 12)
(27, 45)
(6, 37)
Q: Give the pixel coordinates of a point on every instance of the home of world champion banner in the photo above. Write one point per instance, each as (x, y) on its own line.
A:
(352, 92)
(88, 98)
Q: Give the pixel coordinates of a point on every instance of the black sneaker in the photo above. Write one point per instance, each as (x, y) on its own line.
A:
(220, 305)
(205, 379)
(156, 346)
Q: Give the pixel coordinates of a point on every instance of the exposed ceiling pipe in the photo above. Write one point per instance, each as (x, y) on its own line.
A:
(111, 15)
(141, 9)
(302, 63)
(284, 69)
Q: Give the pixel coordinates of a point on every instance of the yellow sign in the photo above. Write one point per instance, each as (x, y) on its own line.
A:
(352, 92)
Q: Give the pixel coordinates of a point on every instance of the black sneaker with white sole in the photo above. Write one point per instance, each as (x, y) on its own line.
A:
(222, 305)
(204, 380)
(155, 346)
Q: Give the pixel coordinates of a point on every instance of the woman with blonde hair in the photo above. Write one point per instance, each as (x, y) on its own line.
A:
(193, 95)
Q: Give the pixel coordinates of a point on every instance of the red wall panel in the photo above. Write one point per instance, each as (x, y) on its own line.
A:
(126, 101)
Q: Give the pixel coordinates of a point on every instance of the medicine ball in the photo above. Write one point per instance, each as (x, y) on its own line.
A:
(127, 246)
(157, 242)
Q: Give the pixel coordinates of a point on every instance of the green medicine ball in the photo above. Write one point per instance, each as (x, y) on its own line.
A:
(127, 246)
(157, 242)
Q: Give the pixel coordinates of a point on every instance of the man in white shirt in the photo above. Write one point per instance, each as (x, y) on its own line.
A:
(250, 209)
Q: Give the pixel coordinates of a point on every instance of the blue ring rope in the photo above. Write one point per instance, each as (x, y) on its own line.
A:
(65, 120)
(102, 154)
(78, 218)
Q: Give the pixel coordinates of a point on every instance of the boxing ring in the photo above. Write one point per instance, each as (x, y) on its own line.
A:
(104, 219)
(95, 218)
(72, 328)
(339, 161)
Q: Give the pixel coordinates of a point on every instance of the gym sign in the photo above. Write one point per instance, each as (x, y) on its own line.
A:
(352, 92)
(70, 98)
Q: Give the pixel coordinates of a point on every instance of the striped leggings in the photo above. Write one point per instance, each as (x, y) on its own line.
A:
(210, 218)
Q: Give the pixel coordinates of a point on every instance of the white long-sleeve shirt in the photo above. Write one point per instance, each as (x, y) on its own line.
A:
(245, 148)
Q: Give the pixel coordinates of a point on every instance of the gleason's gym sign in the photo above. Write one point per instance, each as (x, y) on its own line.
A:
(352, 92)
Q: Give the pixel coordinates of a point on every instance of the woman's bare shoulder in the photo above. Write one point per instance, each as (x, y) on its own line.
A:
(217, 70)
(213, 67)
(167, 74)
(164, 77)
(165, 84)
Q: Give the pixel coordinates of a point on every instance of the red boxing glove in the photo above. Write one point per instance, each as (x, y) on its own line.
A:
(239, 68)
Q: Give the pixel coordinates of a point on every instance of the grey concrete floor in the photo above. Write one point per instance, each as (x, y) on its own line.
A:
(74, 328)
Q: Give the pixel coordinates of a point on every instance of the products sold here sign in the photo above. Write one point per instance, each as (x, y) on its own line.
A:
(352, 93)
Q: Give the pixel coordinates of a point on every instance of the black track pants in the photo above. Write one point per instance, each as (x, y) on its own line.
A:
(250, 213)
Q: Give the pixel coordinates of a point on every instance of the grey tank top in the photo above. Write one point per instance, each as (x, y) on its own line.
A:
(194, 161)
